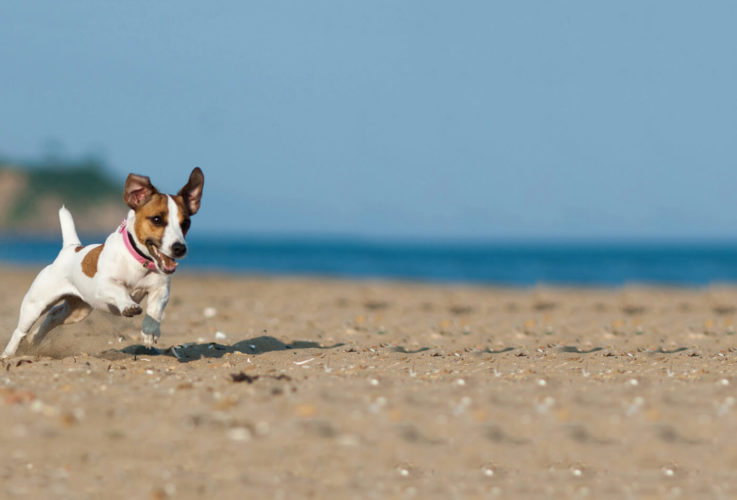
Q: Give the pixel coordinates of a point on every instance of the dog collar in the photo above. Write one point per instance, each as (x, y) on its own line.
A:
(135, 253)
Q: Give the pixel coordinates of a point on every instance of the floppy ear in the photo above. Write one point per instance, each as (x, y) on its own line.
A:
(192, 191)
(138, 190)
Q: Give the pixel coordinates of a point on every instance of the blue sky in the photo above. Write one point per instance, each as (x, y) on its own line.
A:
(395, 119)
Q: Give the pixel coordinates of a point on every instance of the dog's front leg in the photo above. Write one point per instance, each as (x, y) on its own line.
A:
(157, 300)
(118, 298)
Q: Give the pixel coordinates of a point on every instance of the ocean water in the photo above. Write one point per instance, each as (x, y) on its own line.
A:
(504, 264)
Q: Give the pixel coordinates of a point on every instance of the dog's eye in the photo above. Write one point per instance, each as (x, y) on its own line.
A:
(157, 220)
(185, 225)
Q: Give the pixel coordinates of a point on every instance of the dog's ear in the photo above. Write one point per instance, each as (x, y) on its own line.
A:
(192, 191)
(138, 190)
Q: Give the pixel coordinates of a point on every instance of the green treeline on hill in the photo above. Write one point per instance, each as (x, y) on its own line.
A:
(79, 184)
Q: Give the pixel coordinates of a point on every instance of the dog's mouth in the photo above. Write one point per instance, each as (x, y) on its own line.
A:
(165, 263)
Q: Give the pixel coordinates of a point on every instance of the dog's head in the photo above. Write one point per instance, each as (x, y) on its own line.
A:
(162, 220)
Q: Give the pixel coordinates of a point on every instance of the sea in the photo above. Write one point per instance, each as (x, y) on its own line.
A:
(516, 264)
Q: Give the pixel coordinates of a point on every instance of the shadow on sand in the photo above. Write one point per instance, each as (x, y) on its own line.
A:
(192, 351)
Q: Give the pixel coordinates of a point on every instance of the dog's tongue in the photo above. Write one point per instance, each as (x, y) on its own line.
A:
(169, 264)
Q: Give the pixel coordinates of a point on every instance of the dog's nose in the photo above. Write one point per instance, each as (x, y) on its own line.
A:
(179, 249)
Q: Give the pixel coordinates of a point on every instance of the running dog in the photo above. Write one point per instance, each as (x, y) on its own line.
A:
(136, 260)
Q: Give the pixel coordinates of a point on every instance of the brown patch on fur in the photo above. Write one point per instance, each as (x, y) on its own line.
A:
(89, 262)
(183, 209)
(143, 227)
(79, 248)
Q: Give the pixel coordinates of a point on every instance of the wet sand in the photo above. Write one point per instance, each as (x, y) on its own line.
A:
(313, 388)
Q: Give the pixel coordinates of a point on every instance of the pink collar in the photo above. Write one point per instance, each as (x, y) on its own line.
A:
(146, 262)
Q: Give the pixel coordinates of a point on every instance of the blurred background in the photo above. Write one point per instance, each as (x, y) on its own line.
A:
(518, 143)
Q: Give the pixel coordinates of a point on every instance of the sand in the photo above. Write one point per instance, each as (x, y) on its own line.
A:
(313, 388)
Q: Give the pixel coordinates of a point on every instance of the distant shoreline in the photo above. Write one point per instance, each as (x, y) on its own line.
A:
(496, 265)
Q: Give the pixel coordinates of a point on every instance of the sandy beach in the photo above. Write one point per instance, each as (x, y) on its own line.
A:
(314, 388)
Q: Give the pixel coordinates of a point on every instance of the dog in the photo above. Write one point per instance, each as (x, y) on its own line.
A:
(136, 260)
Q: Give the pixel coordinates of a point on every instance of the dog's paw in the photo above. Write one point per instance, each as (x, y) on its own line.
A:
(132, 310)
(149, 340)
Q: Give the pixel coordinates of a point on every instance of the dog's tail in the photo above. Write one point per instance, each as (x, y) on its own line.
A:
(68, 232)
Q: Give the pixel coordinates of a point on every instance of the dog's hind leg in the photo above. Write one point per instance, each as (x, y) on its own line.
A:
(46, 290)
(72, 310)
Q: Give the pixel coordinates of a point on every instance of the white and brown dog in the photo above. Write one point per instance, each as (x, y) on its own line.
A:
(135, 261)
